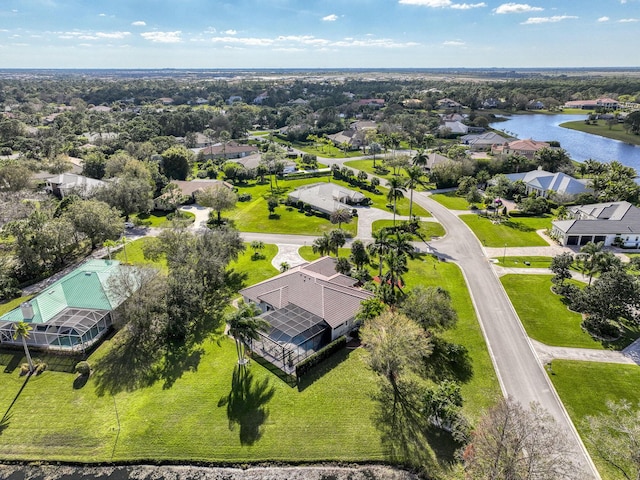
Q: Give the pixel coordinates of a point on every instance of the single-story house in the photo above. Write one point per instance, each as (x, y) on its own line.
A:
(371, 102)
(326, 197)
(228, 151)
(353, 138)
(448, 103)
(71, 183)
(73, 313)
(307, 307)
(543, 183)
(188, 190)
(482, 141)
(526, 148)
(454, 128)
(602, 102)
(614, 223)
(434, 159)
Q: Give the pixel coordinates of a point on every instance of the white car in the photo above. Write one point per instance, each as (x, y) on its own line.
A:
(128, 225)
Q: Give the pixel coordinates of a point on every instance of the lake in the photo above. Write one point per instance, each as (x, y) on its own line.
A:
(580, 146)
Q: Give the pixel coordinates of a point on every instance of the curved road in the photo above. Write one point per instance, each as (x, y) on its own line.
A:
(520, 373)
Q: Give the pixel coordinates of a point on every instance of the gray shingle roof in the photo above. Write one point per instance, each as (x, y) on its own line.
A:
(602, 219)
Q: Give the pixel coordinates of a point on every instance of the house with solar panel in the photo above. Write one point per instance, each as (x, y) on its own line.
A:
(71, 314)
(307, 307)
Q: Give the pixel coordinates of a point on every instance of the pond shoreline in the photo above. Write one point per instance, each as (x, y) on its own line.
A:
(192, 472)
(576, 124)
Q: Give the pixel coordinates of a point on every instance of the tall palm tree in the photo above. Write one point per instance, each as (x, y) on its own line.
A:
(322, 245)
(393, 277)
(400, 245)
(396, 191)
(415, 178)
(245, 326)
(22, 329)
(380, 247)
(337, 239)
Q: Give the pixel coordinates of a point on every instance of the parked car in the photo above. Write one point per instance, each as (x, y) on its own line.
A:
(129, 225)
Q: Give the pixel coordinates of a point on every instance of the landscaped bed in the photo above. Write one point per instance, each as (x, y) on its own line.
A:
(547, 319)
(426, 230)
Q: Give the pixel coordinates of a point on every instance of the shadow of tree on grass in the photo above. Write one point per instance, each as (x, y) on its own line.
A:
(246, 404)
(449, 361)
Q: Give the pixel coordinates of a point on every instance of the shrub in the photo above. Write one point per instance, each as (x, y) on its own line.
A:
(311, 361)
(83, 368)
(244, 197)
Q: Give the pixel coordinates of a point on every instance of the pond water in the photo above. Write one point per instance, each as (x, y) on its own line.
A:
(580, 146)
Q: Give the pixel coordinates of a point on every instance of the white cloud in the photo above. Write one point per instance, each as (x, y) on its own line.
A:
(443, 4)
(517, 8)
(290, 42)
(330, 18)
(628, 20)
(102, 15)
(604, 19)
(230, 32)
(427, 3)
(453, 43)
(116, 35)
(554, 19)
(139, 23)
(163, 37)
(467, 6)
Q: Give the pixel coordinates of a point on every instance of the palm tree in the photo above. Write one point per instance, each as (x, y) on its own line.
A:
(245, 326)
(337, 239)
(22, 329)
(380, 247)
(420, 158)
(396, 191)
(400, 245)
(393, 277)
(415, 176)
(590, 255)
(340, 216)
(322, 245)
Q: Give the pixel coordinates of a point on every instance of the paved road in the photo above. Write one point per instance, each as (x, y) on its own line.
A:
(520, 373)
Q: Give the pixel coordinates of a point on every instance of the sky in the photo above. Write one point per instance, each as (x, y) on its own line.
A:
(318, 34)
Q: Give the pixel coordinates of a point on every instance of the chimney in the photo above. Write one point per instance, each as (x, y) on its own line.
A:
(27, 311)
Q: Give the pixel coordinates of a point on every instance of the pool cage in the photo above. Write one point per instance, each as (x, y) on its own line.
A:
(295, 334)
(74, 329)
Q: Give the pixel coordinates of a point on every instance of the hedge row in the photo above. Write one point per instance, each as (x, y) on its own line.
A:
(311, 361)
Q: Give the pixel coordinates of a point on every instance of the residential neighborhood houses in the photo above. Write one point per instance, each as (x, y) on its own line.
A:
(339, 205)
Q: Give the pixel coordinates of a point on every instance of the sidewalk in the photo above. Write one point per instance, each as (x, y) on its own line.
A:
(546, 353)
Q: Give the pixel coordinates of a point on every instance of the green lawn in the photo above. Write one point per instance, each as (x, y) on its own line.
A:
(482, 389)
(427, 230)
(543, 315)
(451, 201)
(515, 232)
(518, 262)
(585, 387)
(616, 132)
(135, 254)
(307, 253)
(256, 270)
(158, 219)
(366, 165)
(51, 420)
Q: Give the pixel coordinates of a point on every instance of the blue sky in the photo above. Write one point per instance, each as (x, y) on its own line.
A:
(318, 34)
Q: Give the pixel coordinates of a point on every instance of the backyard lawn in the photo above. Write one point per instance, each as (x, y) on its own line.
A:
(514, 232)
(451, 201)
(427, 230)
(11, 304)
(585, 387)
(256, 270)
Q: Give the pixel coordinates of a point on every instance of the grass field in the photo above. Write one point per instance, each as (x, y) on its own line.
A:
(585, 387)
(451, 201)
(518, 262)
(515, 232)
(135, 254)
(543, 315)
(427, 230)
(546, 318)
(256, 270)
(366, 165)
(616, 132)
(11, 304)
(307, 253)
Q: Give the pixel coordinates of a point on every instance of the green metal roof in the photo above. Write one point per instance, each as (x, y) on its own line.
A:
(86, 287)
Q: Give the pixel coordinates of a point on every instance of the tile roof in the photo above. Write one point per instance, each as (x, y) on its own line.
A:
(316, 288)
(613, 218)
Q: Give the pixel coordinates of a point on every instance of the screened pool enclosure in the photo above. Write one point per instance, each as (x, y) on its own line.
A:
(71, 314)
(294, 335)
